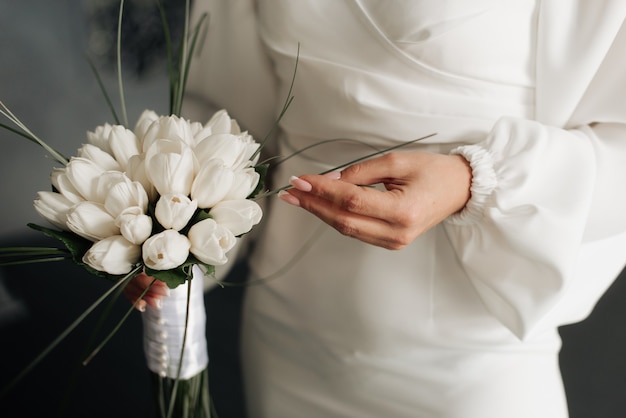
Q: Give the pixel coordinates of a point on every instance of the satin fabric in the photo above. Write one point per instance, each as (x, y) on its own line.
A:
(463, 322)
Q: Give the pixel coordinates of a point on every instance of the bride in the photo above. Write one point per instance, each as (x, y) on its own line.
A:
(438, 292)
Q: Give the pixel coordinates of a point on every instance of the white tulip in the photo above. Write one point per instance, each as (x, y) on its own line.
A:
(125, 194)
(244, 183)
(165, 250)
(234, 150)
(100, 138)
(124, 144)
(105, 182)
(134, 225)
(113, 255)
(83, 174)
(198, 131)
(220, 123)
(239, 216)
(97, 155)
(91, 221)
(170, 166)
(168, 127)
(210, 242)
(59, 180)
(251, 148)
(146, 119)
(174, 211)
(212, 183)
(54, 208)
(136, 171)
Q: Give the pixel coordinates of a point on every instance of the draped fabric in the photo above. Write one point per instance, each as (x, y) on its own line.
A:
(462, 322)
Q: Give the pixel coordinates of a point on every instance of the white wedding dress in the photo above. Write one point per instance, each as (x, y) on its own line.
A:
(463, 322)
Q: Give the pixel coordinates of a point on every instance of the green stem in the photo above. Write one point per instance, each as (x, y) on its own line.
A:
(103, 90)
(119, 63)
(344, 165)
(182, 61)
(117, 327)
(33, 261)
(182, 352)
(9, 115)
(286, 105)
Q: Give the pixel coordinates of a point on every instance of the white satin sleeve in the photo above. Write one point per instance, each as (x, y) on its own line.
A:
(538, 194)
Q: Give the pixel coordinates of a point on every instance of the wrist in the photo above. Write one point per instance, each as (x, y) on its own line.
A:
(483, 181)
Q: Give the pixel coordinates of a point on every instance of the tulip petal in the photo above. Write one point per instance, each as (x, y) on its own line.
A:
(91, 221)
(210, 242)
(239, 216)
(54, 208)
(212, 183)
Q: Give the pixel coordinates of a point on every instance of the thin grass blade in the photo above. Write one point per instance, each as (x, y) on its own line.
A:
(119, 64)
(103, 90)
(54, 153)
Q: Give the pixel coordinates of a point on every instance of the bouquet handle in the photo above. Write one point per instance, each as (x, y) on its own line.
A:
(164, 331)
(181, 385)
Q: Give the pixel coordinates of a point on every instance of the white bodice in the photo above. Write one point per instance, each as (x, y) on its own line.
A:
(434, 85)
(462, 322)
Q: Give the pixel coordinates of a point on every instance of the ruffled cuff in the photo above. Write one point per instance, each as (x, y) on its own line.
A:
(483, 183)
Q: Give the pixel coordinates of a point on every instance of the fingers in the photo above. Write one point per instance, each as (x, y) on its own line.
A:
(355, 198)
(371, 215)
(421, 190)
(136, 287)
(378, 170)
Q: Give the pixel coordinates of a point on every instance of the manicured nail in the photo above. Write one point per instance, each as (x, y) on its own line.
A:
(288, 198)
(298, 183)
(141, 306)
(333, 175)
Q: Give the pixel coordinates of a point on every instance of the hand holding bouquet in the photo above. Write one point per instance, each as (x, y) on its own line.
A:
(167, 197)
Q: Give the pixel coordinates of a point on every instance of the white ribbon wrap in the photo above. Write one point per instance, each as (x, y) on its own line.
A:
(164, 331)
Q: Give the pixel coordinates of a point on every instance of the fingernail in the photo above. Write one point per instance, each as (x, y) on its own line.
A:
(298, 183)
(141, 306)
(333, 175)
(289, 198)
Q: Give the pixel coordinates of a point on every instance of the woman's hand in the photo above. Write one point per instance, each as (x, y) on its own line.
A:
(141, 282)
(422, 189)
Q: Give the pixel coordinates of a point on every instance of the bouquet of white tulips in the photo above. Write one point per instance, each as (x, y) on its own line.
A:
(168, 194)
(168, 197)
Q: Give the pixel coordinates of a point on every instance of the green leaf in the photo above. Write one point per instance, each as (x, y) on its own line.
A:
(262, 170)
(175, 277)
(200, 215)
(172, 278)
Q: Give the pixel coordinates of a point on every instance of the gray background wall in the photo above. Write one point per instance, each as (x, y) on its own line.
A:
(45, 80)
